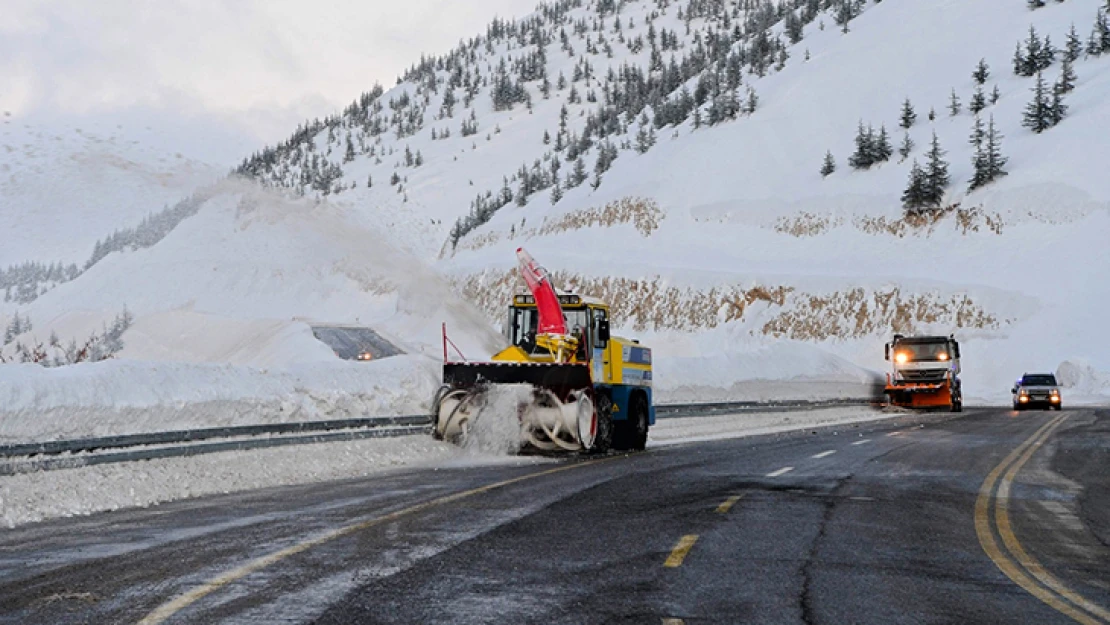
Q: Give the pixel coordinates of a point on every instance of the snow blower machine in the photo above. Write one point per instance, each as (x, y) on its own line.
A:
(586, 391)
(926, 372)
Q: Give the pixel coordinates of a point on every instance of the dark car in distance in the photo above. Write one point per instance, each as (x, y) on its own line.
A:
(1037, 389)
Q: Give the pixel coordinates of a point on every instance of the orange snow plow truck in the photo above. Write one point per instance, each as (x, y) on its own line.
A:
(925, 372)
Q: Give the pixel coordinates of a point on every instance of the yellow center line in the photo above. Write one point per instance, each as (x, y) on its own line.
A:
(1002, 520)
(678, 554)
(986, 536)
(673, 621)
(728, 503)
(168, 609)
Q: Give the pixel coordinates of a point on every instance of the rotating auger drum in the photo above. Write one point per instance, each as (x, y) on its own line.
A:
(555, 405)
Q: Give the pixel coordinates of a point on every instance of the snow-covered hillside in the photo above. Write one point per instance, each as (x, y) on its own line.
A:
(666, 156)
(749, 248)
(63, 186)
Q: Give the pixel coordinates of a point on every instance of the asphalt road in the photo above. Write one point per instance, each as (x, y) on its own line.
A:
(987, 517)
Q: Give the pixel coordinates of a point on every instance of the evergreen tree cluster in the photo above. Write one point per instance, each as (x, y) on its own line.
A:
(698, 75)
(99, 346)
(1046, 109)
(1035, 56)
(152, 229)
(926, 187)
(17, 326)
(1099, 41)
(871, 147)
(23, 283)
(988, 162)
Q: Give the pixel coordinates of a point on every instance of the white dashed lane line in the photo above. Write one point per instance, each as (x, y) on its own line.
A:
(781, 471)
(824, 454)
(866, 440)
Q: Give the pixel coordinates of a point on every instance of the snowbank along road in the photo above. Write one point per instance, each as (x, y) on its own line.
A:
(992, 516)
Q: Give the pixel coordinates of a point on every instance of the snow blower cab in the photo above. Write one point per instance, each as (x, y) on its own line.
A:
(925, 372)
(586, 390)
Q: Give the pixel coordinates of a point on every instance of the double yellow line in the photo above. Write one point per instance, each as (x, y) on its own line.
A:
(1012, 558)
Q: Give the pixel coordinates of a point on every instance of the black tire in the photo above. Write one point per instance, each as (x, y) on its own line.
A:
(957, 406)
(1058, 407)
(604, 439)
(632, 433)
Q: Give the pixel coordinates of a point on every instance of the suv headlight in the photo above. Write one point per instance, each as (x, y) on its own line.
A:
(1023, 392)
(1054, 392)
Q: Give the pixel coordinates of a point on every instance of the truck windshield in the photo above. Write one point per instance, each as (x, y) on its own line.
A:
(523, 322)
(1038, 380)
(922, 351)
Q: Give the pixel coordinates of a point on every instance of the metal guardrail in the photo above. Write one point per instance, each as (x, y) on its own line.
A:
(25, 457)
(200, 434)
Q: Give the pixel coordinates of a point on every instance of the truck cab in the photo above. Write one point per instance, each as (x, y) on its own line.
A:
(924, 372)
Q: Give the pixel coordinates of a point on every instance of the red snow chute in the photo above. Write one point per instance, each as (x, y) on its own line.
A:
(547, 301)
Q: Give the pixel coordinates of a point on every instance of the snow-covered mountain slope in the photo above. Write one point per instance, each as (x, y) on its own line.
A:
(734, 242)
(63, 185)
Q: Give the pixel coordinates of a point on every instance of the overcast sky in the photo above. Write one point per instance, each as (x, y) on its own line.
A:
(259, 66)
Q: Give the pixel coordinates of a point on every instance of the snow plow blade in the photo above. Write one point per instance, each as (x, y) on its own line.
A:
(920, 395)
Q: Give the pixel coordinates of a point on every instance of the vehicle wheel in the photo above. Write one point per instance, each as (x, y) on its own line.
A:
(958, 406)
(633, 431)
(1058, 407)
(604, 439)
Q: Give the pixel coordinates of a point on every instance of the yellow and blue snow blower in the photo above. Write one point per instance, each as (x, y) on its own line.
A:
(590, 391)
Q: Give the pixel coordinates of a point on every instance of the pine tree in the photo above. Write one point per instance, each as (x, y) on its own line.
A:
(752, 102)
(1034, 4)
(1038, 115)
(1019, 61)
(982, 72)
(906, 148)
(1034, 54)
(977, 134)
(913, 198)
(932, 114)
(829, 165)
(954, 104)
(1047, 56)
(996, 95)
(978, 160)
(1073, 48)
(556, 192)
(1066, 82)
(864, 156)
(881, 146)
(978, 101)
(908, 115)
(1100, 35)
(1057, 110)
(995, 160)
(936, 174)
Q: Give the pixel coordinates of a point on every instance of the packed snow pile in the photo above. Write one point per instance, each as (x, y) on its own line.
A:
(128, 397)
